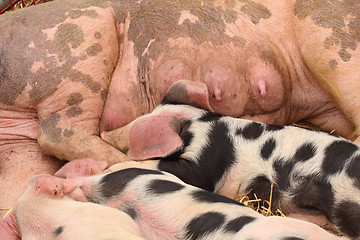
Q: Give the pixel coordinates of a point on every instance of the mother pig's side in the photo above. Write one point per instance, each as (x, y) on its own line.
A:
(68, 66)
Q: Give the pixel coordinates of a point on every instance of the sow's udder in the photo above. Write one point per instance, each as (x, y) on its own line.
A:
(233, 89)
(225, 87)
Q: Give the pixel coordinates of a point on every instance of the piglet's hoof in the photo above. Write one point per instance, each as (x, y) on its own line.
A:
(81, 167)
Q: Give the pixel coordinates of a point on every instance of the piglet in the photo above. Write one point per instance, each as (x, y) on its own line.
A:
(165, 207)
(315, 176)
(44, 212)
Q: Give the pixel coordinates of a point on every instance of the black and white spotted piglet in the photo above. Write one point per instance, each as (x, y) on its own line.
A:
(164, 207)
(316, 176)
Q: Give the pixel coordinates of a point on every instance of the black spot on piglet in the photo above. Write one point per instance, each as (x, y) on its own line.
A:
(292, 238)
(115, 182)
(268, 148)
(158, 187)
(353, 170)
(211, 117)
(304, 152)
(131, 209)
(261, 186)
(58, 231)
(252, 131)
(210, 197)
(237, 224)
(270, 127)
(204, 225)
(336, 154)
(347, 217)
(315, 195)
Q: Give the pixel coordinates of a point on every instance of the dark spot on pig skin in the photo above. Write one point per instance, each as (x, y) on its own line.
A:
(121, 38)
(68, 133)
(159, 187)
(269, 57)
(68, 36)
(283, 170)
(50, 129)
(212, 163)
(347, 216)
(17, 74)
(210, 117)
(333, 64)
(237, 224)
(130, 209)
(315, 195)
(271, 127)
(57, 232)
(342, 17)
(8, 90)
(353, 170)
(94, 50)
(268, 148)
(304, 152)
(114, 183)
(103, 94)
(209, 197)
(97, 35)
(252, 131)
(74, 111)
(261, 186)
(336, 155)
(255, 11)
(78, 13)
(344, 55)
(75, 98)
(77, 76)
(204, 224)
(158, 21)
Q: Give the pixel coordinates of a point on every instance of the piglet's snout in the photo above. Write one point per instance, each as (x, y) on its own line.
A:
(51, 186)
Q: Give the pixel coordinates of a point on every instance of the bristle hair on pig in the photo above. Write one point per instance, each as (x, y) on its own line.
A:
(315, 175)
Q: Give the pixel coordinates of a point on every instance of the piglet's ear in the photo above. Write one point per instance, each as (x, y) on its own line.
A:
(154, 136)
(189, 92)
(81, 167)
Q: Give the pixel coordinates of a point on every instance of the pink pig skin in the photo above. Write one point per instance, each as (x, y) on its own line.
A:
(96, 65)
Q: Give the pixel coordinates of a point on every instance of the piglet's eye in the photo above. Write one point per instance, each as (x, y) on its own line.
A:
(55, 192)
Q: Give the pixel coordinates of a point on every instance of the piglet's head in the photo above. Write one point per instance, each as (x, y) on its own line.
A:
(50, 186)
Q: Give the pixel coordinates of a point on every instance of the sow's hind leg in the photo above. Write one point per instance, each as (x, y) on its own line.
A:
(70, 115)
